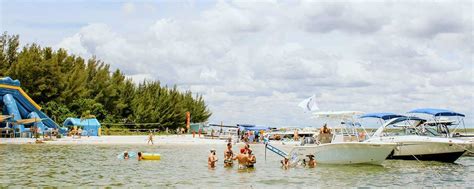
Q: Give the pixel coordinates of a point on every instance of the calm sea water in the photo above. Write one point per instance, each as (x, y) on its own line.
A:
(186, 166)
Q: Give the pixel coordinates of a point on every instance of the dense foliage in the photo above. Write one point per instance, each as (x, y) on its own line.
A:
(66, 85)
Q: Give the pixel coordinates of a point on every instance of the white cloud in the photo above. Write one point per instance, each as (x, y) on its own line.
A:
(254, 61)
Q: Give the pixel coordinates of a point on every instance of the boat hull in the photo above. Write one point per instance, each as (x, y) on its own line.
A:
(425, 148)
(345, 153)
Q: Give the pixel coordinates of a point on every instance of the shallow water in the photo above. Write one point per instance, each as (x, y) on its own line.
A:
(186, 166)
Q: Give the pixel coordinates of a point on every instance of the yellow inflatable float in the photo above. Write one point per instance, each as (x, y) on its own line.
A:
(151, 156)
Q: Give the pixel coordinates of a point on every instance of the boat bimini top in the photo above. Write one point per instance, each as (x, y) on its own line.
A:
(440, 118)
(436, 112)
(385, 116)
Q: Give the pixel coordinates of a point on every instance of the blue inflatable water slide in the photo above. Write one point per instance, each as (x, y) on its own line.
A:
(16, 103)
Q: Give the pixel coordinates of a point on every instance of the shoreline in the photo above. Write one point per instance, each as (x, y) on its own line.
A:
(120, 139)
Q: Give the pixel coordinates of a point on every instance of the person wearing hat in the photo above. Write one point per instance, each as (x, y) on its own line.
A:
(212, 159)
(311, 162)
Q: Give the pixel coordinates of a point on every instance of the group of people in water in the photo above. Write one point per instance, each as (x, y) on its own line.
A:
(245, 159)
(126, 156)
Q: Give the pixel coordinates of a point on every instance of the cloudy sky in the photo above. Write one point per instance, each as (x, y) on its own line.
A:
(255, 61)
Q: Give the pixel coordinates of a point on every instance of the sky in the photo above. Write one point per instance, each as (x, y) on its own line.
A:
(254, 61)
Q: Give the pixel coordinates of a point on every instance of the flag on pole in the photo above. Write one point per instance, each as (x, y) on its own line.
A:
(309, 104)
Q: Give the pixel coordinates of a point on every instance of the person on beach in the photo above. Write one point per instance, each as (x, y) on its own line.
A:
(311, 162)
(212, 159)
(228, 156)
(150, 138)
(252, 159)
(125, 155)
(242, 158)
(140, 156)
(285, 163)
(79, 132)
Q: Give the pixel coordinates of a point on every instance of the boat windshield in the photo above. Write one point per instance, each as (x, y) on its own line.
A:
(430, 132)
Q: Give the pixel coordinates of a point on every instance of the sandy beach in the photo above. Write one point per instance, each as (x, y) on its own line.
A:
(136, 139)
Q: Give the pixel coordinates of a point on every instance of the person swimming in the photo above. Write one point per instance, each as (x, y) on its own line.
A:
(311, 162)
(228, 156)
(125, 155)
(212, 159)
(140, 156)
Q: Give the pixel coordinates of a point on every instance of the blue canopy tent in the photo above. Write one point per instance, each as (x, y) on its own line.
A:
(90, 126)
(436, 112)
(384, 115)
(248, 127)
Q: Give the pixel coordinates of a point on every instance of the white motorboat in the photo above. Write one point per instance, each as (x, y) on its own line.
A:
(343, 146)
(445, 123)
(412, 146)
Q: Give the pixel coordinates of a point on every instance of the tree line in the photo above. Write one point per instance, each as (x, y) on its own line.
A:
(66, 85)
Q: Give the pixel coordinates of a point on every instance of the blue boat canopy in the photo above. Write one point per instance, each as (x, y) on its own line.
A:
(245, 125)
(405, 118)
(384, 116)
(256, 128)
(436, 112)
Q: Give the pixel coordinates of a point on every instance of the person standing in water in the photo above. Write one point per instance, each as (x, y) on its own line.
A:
(212, 159)
(243, 159)
(252, 159)
(228, 156)
(285, 164)
(150, 138)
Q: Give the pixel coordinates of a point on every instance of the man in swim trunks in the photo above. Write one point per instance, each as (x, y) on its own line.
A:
(212, 159)
(242, 158)
(228, 156)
